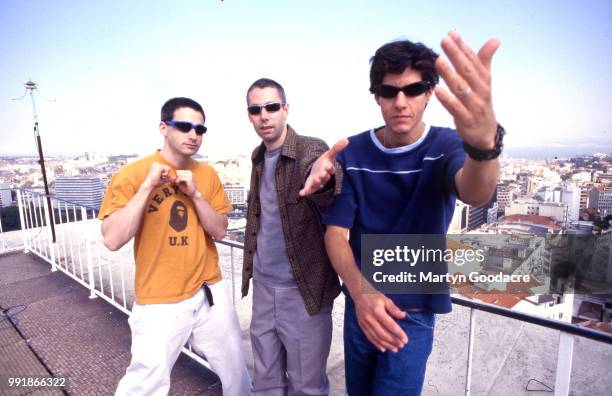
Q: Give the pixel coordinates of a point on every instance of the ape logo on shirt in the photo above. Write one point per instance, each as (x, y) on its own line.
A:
(178, 216)
(178, 221)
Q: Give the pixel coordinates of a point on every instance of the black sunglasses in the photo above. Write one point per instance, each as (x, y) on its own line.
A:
(185, 127)
(270, 108)
(410, 90)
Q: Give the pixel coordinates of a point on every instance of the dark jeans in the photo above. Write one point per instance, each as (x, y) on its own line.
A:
(371, 372)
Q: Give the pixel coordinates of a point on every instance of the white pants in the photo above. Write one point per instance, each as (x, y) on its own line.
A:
(159, 331)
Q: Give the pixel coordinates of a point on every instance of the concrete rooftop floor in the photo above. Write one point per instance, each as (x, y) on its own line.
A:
(62, 332)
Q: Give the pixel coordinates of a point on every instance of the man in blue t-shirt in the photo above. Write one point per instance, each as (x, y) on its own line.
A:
(403, 178)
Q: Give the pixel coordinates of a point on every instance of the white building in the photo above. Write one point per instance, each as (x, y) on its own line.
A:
(477, 216)
(604, 178)
(232, 170)
(534, 183)
(585, 194)
(570, 195)
(235, 193)
(551, 307)
(583, 177)
(505, 194)
(5, 195)
(549, 194)
(81, 190)
(95, 157)
(492, 214)
(604, 202)
(459, 223)
(555, 210)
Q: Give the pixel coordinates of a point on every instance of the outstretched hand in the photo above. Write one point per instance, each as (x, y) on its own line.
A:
(469, 80)
(323, 169)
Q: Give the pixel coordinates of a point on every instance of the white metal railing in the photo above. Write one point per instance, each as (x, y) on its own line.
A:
(80, 254)
(10, 240)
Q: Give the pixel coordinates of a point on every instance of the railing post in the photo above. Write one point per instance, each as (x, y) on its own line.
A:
(22, 221)
(565, 355)
(468, 372)
(2, 238)
(29, 224)
(233, 283)
(51, 244)
(88, 255)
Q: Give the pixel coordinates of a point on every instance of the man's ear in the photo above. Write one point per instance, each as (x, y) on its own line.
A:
(377, 99)
(163, 128)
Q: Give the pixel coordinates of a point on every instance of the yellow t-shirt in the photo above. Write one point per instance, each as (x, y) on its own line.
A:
(174, 256)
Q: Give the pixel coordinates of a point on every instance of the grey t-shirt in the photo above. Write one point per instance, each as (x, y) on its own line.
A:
(271, 263)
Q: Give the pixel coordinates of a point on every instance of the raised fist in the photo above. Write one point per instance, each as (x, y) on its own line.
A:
(158, 175)
(184, 181)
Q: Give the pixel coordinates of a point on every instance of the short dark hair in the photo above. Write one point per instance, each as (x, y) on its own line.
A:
(397, 56)
(168, 109)
(268, 83)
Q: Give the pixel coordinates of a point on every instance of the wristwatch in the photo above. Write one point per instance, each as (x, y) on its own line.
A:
(484, 155)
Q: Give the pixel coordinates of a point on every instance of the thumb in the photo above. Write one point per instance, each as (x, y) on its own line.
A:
(394, 309)
(487, 51)
(337, 148)
(308, 187)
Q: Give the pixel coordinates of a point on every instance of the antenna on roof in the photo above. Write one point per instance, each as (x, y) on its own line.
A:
(30, 87)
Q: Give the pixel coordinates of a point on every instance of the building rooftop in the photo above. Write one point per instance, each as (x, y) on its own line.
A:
(533, 219)
(63, 332)
(60, 329)
(53, 328)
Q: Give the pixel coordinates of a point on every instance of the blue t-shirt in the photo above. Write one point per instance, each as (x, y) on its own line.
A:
(402, 190)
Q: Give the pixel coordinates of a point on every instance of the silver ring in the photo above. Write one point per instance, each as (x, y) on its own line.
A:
(466, 92)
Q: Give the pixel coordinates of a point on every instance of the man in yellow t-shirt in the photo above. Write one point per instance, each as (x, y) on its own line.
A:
(174, 207)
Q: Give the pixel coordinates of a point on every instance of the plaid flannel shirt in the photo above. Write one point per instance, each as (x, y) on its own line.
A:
(300, 217)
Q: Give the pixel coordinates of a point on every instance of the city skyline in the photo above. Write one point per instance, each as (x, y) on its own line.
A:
(110, 66)
(536, 153)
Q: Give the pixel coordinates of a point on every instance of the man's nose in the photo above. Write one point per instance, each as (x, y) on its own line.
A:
(401, 100)
(192, 133)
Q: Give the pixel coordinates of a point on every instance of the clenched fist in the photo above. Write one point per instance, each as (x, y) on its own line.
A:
(184, 181)
(158, 175)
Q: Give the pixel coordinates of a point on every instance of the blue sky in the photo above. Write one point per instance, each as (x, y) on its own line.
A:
(110, 66)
